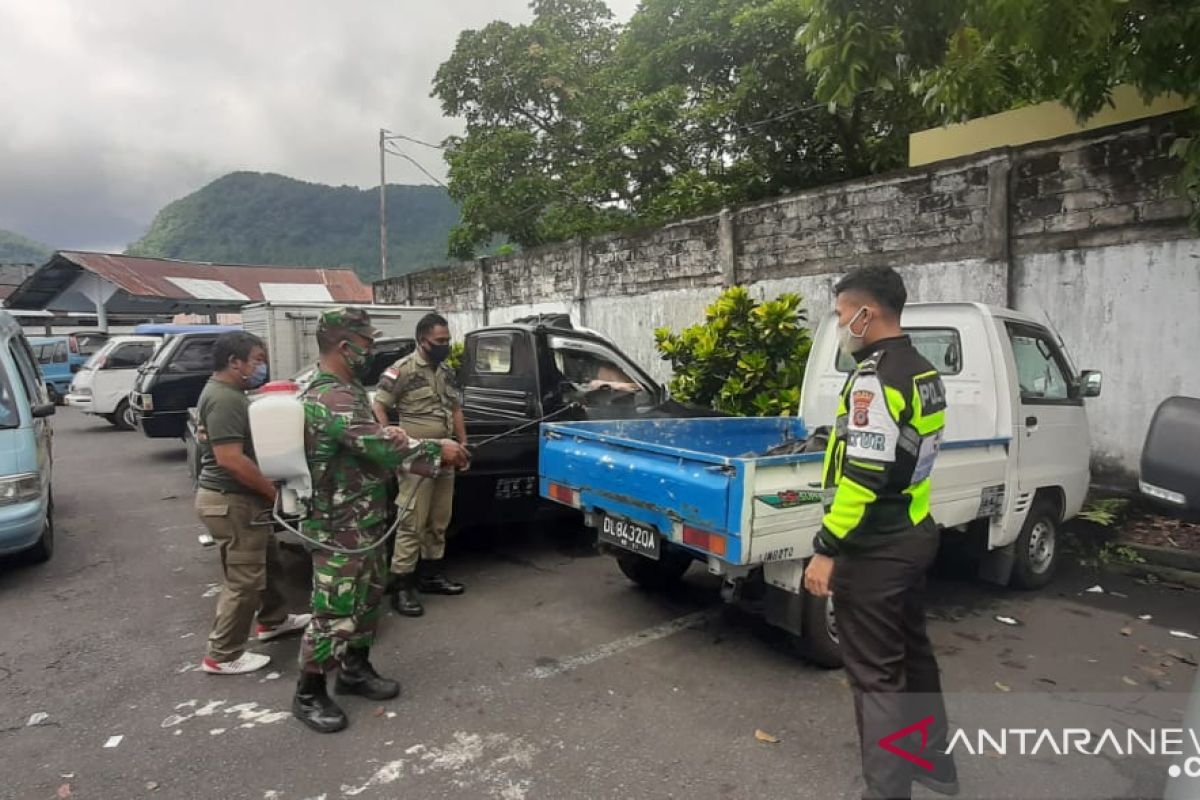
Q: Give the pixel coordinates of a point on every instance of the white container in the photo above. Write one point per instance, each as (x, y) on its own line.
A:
(277, 430)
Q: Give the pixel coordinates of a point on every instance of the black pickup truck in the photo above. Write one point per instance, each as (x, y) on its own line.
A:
(512, 376)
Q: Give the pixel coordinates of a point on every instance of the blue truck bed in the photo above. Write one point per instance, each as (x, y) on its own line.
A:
(668, 474)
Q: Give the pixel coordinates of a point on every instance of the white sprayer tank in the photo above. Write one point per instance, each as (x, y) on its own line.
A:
(277, 430)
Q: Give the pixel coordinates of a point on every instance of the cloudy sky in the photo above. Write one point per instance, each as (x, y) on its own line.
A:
(109, 110)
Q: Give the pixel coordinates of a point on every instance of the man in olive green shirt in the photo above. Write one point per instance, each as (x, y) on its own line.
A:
(422, 388)
(232, 502)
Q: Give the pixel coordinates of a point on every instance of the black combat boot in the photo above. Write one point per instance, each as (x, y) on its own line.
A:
(359, 677)
(405, 599)
(434, 581)
(313, 706)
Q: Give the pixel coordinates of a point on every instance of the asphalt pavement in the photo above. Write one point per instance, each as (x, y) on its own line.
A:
(552, 677)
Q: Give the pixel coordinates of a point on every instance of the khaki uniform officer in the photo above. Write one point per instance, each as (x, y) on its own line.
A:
(421, 388)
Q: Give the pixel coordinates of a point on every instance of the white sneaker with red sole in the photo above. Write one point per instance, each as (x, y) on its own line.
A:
(293, 623)
(246, 662)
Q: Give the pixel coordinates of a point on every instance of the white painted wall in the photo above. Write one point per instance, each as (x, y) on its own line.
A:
(1132, 311)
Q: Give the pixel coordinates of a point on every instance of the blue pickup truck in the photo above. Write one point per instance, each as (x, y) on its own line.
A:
(744, 495)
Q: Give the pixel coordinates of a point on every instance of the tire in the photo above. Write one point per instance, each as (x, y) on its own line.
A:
(44, 549)
(654, 575)
(820, 643)
(122, 419)
(1037, 548)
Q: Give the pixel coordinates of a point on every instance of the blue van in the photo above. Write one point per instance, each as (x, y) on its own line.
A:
(54, 360)
(26, 502)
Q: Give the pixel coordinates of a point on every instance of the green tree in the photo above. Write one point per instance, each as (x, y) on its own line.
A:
(577, 126)
(993, 55)
(747, 358)
(525, 167)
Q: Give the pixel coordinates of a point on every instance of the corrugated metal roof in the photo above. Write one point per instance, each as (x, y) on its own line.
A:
(169, 280)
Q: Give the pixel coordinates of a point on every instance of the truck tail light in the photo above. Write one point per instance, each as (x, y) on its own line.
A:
(564, 494)
(710, 542)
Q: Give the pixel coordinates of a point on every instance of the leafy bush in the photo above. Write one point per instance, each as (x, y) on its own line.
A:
(747, 358)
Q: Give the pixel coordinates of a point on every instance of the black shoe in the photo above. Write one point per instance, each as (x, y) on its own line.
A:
(943, 779)
(434, 582)
(359, 677)
(313, 706)
(405, 599)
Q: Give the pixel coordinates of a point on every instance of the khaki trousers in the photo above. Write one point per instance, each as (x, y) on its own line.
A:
(250, 565)
(423, 524)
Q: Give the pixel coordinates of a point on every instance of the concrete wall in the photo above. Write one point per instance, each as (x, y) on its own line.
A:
(1088, 230)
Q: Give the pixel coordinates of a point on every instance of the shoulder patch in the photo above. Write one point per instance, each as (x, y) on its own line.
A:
(931, 392)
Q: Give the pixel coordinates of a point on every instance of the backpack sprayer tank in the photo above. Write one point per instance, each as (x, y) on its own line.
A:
(277, 430)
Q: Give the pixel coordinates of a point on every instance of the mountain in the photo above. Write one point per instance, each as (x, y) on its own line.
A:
(260, 218)
(16, 249)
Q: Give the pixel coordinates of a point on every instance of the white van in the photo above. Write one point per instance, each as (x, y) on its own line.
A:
(102, 385)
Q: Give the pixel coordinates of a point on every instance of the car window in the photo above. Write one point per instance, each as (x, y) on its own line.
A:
(23, 357)
(44, 352)
(129, 355)
(194, 356)
(60, 352)
(595, 373)
(941, 347)
(89, 343)
(9, 416)
(494, 354)
(1041, 373)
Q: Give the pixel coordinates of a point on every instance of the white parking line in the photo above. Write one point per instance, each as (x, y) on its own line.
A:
(622, 645)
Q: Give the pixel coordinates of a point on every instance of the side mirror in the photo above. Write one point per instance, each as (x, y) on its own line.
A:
(1090, 383)
(42, 410)
(75, 367)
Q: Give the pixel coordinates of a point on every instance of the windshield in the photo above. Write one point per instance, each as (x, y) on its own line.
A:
(9, 416)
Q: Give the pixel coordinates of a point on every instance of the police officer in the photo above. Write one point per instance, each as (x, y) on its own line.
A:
(421, 387)
(351, 458)
(878, 540)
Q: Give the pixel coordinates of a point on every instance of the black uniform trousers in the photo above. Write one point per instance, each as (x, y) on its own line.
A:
(879, 603)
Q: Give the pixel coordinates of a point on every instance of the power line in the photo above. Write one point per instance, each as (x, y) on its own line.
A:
(389, 136)
(416, 164)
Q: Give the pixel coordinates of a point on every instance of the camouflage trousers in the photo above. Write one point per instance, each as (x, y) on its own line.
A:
(346, 598)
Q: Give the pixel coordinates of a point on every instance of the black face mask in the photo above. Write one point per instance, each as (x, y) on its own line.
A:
(437, 352)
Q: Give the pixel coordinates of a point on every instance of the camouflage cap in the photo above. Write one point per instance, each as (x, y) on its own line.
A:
(350, 319)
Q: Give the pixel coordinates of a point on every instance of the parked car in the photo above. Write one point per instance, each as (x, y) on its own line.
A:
(103, 385)
(54, 362)
(1170, 470)
(170, 383)
(26, 499)
(743, 496)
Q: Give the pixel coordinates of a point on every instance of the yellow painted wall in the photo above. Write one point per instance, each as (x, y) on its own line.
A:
(1031, 124)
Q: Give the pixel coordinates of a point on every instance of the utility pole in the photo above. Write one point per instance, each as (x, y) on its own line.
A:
(382, 206)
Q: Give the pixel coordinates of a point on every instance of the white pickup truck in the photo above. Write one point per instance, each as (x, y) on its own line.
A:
(732, 493)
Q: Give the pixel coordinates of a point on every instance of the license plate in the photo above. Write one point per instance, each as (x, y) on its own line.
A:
(629, 535)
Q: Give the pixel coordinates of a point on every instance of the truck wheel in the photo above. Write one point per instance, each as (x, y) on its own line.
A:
(820, 643)
(122, 419)
(1037, 547)
(654, 575)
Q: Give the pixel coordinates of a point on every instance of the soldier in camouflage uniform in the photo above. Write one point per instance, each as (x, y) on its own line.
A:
(422, 388)
(351, 458)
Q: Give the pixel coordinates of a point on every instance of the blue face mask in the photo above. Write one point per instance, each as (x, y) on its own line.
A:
(258, 377)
